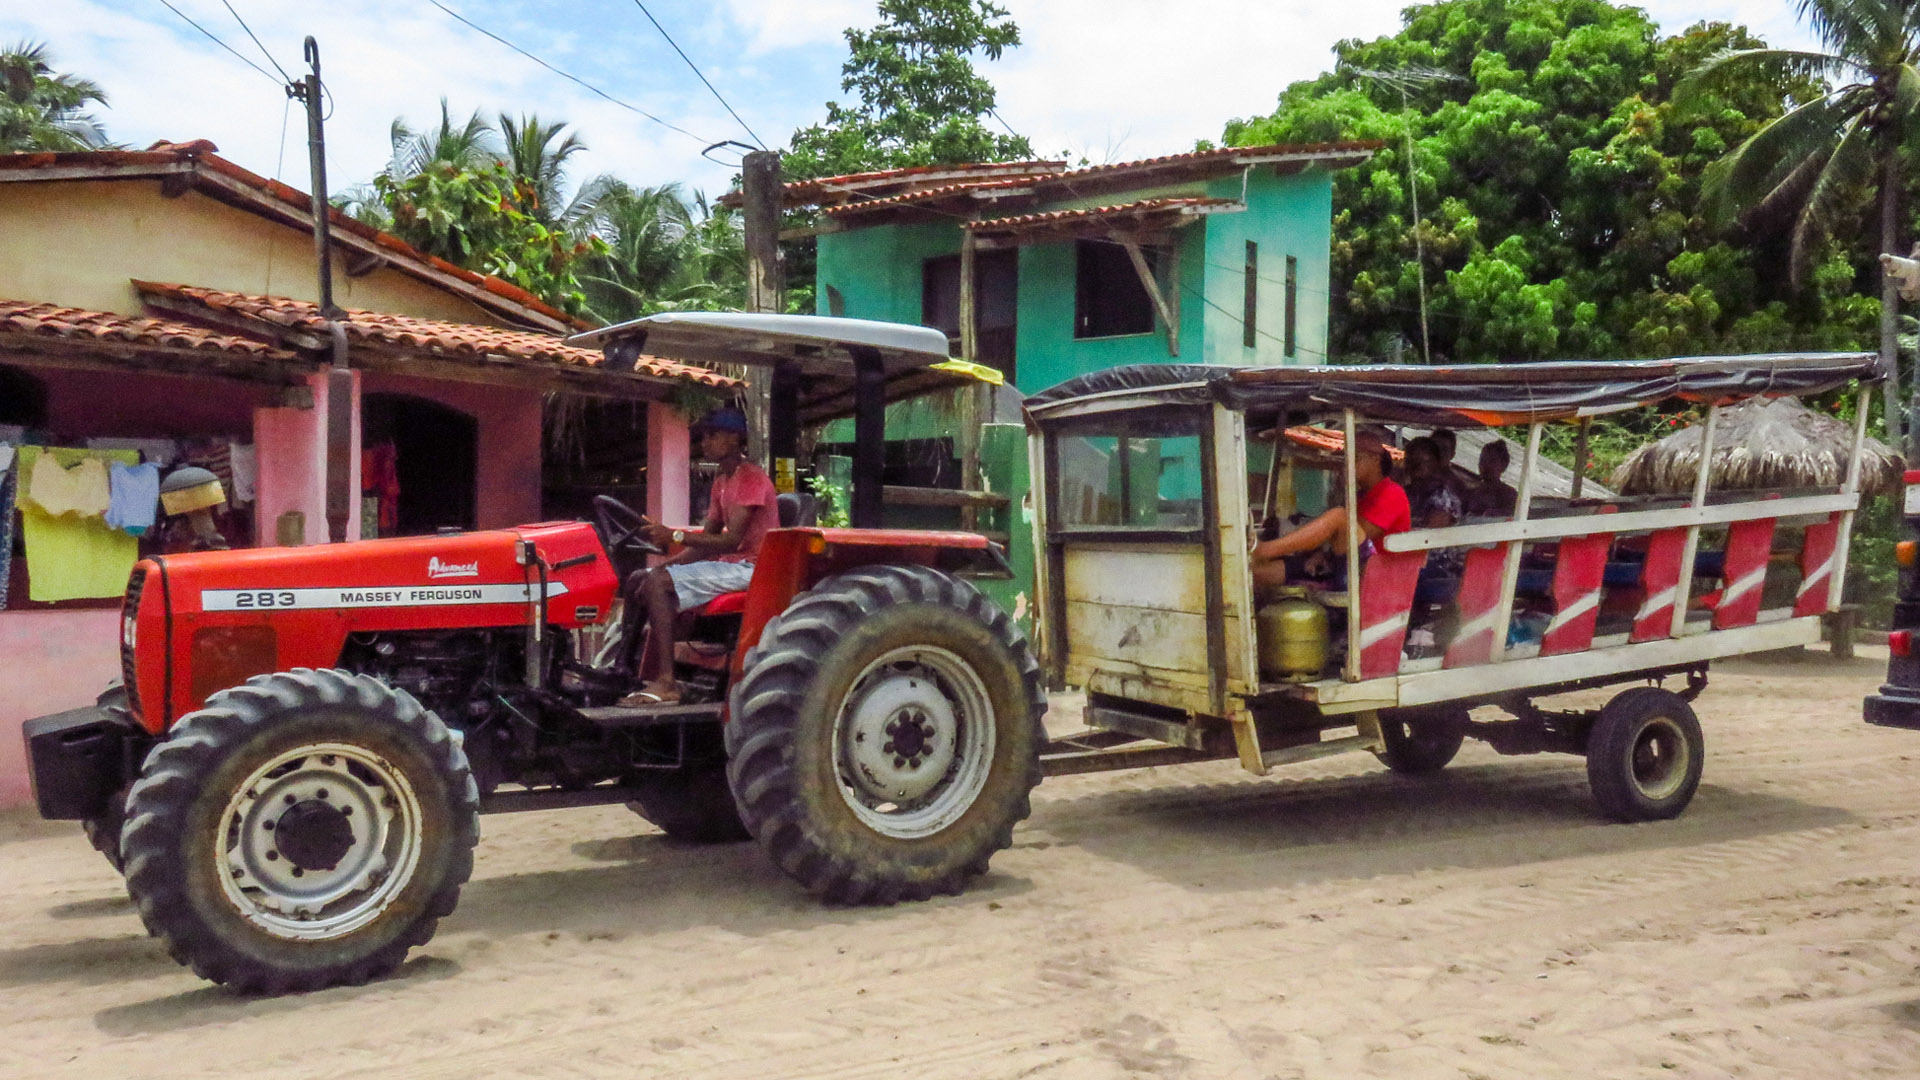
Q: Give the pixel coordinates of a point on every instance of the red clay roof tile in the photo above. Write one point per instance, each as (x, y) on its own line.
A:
(53, 320)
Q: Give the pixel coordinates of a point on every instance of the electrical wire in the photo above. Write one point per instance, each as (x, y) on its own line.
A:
(697, 72)
(566, 75)
(256, 41)
(211, 36)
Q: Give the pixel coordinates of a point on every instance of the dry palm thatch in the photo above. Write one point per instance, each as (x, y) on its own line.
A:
(1760, 445)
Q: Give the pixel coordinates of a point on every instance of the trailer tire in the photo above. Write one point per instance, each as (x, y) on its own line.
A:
(922, 664)
(1419, 742)
(1644, 755)
(693, 805)
(385, 815)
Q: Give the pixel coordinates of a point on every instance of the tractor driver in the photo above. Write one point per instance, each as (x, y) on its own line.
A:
(1384, 509)
(711, 561)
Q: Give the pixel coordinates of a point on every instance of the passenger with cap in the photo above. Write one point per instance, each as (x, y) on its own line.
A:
(1384, 510)
(707, 562)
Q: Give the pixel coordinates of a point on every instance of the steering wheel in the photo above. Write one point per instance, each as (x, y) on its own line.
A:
(623, 530)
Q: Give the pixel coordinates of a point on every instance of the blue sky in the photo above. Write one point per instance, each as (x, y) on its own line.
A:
(1109, 80)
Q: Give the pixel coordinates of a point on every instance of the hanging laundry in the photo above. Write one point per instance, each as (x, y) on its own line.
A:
(6, 457)
(133, 496)
(8, 481)
(380, 477)
(161, 452)
(244, 470)
(57, 489)
(71, 557)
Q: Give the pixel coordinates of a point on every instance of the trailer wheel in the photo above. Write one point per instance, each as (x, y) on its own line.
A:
(1421, 741)
(304, 830)
(1644, 755)
(886, 734)
(693, 805)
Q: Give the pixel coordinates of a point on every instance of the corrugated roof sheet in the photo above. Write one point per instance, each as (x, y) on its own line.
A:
(406, 332)
(79, 324)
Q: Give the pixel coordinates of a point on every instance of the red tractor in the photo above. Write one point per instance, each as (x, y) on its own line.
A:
(291, 777)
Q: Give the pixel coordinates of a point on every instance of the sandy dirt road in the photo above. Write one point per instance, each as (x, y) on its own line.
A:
(1331, 921)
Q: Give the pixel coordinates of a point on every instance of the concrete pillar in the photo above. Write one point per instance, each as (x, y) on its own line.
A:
(291, 447)
(669, 464)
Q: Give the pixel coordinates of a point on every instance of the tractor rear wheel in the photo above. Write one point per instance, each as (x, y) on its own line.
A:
(1644, 755)
(693, 805)
(886, 734)
(303, 830)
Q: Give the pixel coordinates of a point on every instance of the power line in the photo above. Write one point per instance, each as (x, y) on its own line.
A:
(211, 36)
(565, 75)
(263, 49)
(696, 71)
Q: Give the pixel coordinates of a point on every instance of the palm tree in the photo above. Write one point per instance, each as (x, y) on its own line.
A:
(41, 110)
(540, 164)
(664, 252)
(1818, 156)
(469, 146)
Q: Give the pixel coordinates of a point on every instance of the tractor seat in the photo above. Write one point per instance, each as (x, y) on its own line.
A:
(732, 603)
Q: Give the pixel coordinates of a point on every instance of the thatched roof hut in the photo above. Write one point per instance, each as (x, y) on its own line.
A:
(1761, 444)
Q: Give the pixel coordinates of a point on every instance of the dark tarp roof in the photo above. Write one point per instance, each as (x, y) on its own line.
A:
(1460, 396)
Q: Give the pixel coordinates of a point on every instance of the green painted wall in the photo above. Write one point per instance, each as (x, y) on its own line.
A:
(1285, 215)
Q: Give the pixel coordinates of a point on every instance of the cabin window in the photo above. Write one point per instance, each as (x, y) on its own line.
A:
(1249, 324)
(996, 277)
(1129, 482)
(1108, 298)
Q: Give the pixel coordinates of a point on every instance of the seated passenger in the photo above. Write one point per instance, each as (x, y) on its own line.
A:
(1492, 497)
(1383, 510)
(718, 559)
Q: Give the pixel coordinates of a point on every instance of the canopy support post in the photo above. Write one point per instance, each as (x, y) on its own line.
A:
(1169, 314)
(971, 400)
(1352, 671)
(1510, 574)
(869, 435)
(1683, 589)
(1836, 593)
(1580, 455)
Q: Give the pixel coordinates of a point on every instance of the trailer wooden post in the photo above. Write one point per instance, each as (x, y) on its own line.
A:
(1510, 574)
(1837, 590)
(1352, 672)
(1683, 588)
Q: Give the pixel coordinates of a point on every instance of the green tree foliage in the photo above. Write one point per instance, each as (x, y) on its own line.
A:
(664, 252)
(41, 109)
(1560, 188)
(920, 101)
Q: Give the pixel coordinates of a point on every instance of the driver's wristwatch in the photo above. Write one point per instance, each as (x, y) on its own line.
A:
(680, 536)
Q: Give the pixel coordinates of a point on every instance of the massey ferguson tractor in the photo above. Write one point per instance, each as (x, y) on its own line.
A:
(292, 775)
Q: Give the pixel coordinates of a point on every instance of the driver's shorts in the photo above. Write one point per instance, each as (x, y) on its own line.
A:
(697, 583)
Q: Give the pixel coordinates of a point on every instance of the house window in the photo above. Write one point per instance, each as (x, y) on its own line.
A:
(1293, 283)
(996, 278)
(1249, 325)
(1108, 298)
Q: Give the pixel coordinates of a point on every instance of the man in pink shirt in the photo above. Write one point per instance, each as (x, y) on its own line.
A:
(709, 562)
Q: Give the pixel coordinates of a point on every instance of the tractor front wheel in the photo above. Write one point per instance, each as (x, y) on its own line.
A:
(886, 734)
(303, 830)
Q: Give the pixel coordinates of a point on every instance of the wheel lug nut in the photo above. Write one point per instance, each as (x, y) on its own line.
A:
(326, 759)
(899, 763)
(345, 810)
(267, 825)
(322, 793)
(887, 749)
(892, 726)
(291, 800)
(297, 872)
(272, 856)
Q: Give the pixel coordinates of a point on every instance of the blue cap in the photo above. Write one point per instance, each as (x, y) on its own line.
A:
(725, 418)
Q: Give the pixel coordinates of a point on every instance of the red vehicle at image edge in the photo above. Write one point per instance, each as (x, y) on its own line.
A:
(1898, 702)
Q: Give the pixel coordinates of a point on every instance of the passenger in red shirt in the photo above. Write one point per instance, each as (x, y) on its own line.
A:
(1384, 510)
(716, 559)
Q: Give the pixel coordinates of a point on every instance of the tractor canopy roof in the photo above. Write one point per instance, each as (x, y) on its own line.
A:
(819, 348)
(1474, 395)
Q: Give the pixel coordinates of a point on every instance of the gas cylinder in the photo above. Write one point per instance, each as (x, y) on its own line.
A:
(1293, 636)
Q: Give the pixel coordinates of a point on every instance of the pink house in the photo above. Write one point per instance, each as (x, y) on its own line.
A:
(162, 304)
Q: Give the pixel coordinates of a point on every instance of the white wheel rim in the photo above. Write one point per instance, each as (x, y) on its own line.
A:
(914, 742)
(1659, 759)
(343, 785)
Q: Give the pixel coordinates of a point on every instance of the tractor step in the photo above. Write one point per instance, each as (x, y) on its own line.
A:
(628, 716)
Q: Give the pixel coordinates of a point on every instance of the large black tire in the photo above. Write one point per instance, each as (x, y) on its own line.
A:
(363, 789)
(103, 832)
(1420, 741)
(693, 805)
(1644, 755)
(939, 675)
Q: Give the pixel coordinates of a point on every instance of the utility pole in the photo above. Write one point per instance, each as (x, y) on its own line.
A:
(760, 190)
(340, 492)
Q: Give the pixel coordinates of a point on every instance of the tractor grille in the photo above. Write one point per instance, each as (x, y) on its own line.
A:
(129, 609)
